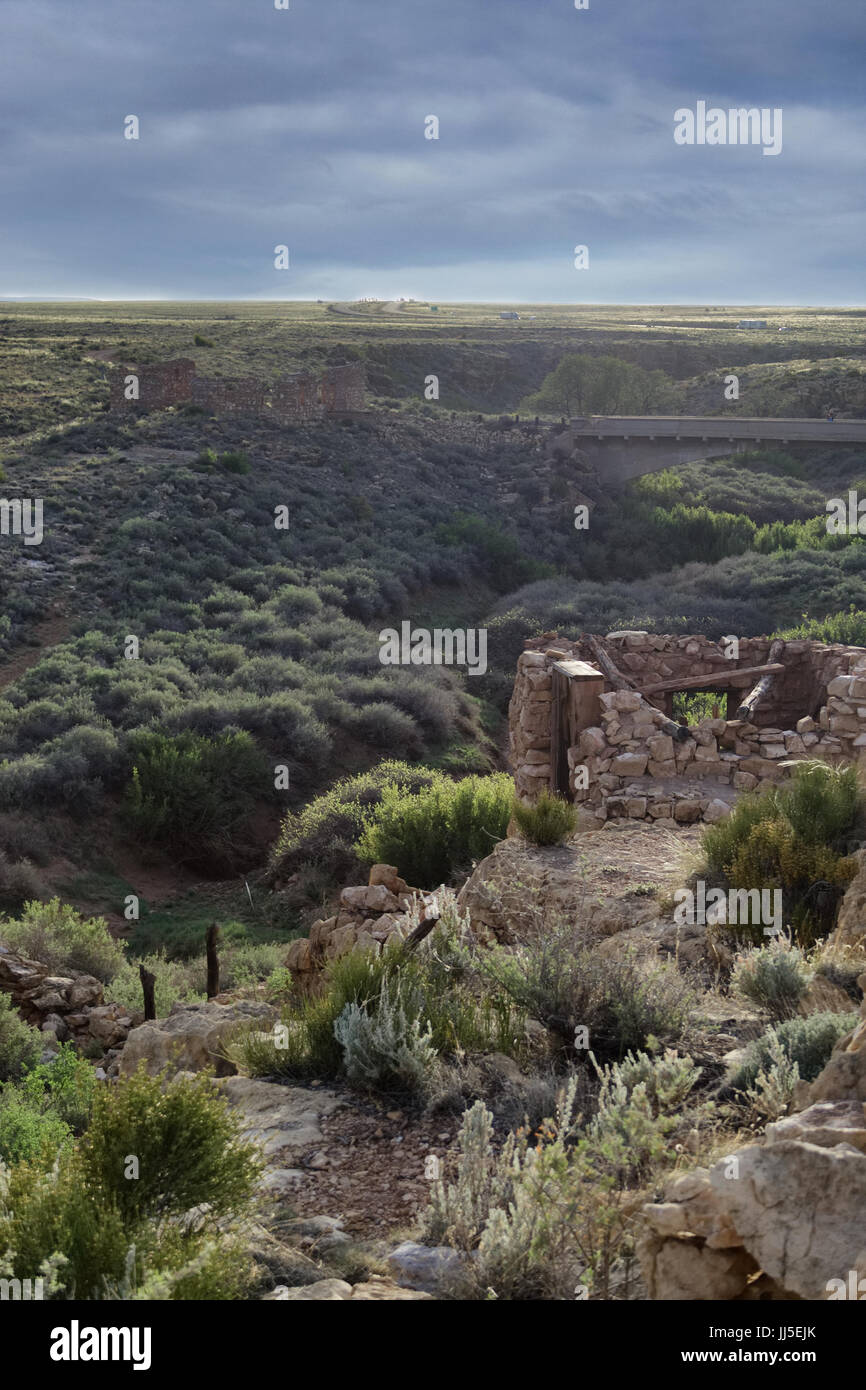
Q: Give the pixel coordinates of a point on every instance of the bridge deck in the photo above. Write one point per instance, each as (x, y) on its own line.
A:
(718, 427)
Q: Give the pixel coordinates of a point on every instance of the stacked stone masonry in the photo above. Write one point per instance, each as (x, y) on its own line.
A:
(291, 399)
(628, 764)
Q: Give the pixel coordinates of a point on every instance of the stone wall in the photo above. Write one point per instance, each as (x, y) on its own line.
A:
(298, 397)
(228, 395)
(159, 386)
(628, 763)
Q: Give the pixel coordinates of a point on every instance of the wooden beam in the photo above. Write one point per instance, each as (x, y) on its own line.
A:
(148, 985)
(614, 676)
(213, 964)
(716, 680)
(758, 691)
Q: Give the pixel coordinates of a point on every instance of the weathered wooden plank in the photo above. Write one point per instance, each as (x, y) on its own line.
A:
(716, 679)
(758, 691)
(578, 670)
(558, 747)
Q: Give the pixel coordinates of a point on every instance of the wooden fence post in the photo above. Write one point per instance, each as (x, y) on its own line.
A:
(213, 964)
(148, 981)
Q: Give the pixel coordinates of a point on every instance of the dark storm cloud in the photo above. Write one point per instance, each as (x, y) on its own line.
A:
(305, 127)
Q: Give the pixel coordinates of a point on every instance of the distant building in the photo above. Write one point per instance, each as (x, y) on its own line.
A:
(752, 323)
(509, 315)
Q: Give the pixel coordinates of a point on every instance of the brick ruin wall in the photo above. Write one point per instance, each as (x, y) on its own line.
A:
(816, 708)
(290, 399)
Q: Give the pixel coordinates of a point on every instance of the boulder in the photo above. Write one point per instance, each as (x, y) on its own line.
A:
(425, 1267)
(189, 1038)
(800, 1210)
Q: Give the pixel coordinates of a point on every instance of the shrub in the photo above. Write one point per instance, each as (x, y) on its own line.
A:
(19, 883)
(789, 838)
(775, 1084)
(552, 1208)
(564, 983)
(775, 977)
(550, 821)
(27, 1132)
(821, 803)
(64, 1086)
(52, 1220)
(429, 992)
(187, 1143)
(235, 461)
(386, 1050)
(20, 1045)
(63, 939)
(431, 834)
(806, 1041)
(845, 626)
(325, 830)
(195, 793)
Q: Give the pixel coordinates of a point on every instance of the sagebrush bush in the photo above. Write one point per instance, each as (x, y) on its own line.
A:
(548, 822)
(431, 834)
(559, 977)
(388, 1049)
(776, 977)
(552, 1208)
(58, 936)
(437, 988)
(772, 1093)
(807, 1041)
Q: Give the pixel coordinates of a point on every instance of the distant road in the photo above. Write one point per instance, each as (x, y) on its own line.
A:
(705, 427)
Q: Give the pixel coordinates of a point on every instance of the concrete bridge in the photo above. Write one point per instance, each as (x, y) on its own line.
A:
(625, 446)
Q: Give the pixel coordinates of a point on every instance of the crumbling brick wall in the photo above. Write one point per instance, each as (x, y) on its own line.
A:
(342, 389)
(229, 395)
(159, 385)
(631, 763)
(298, 397)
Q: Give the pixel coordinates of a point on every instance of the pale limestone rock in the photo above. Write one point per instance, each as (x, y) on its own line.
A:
(189, 1038)
(800, 1210)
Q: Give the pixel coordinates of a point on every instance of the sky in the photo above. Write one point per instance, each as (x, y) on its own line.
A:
(305, 127)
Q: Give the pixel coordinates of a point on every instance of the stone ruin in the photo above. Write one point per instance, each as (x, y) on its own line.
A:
(339, 391)
(591, 719)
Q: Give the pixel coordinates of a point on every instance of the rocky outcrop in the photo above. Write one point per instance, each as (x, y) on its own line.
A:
(68, 1007)
(369, 916)
(190, 1038)
(782, 1219)
(850, 930)
(608, 880)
